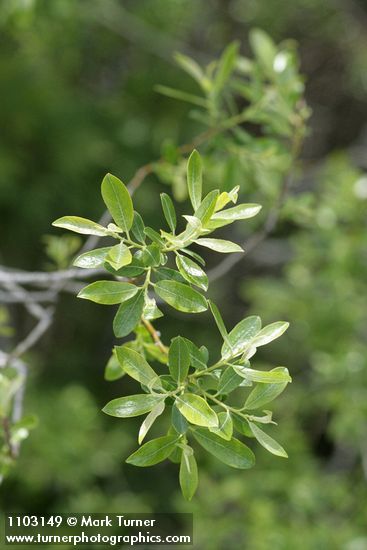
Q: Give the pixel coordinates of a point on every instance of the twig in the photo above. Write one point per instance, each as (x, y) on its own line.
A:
(155, 335)
(41, 278)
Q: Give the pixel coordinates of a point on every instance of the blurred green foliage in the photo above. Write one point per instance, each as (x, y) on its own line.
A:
(77, 87)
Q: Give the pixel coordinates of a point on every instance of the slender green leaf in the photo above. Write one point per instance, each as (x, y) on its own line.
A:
(194, 255)
(169, 211)
(267, 442)
(154, 236)
(133, 405)
(181, 296)
(264, 393)
(192, 272)
(183, 96)
(266, 377)
(154, 451)
(196, 410)
(92, 259)
(220, 245)
(270, 333)
(178, 359)
(239, 212)
(219, 322)
(128, 315)
(136, 366)
(188, 473)
(241, 336)
(81, 225)
(137, 228)
(191, 67)
(226, 65)
(206, 209)
(108, 292)
(149, 420)
(194, 179)
(233, 453)
(118, 201)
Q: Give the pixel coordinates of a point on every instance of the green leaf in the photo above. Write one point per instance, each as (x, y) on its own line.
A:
(168, 274)
(239, 212)
(188, 473)
(108, 292)
(181, 296)
(150, 256)
(267, 442)
(263, 48)
(219, 245)
(264, 393)
(154, 451)
(118, 201)
(119, 256)
(233, 453)
(196, 410)
(270, 333)
(137, 228)
(241, 336)
(183, 96)
(92, 259)
(191, 67)
(113, 370)
(81, 225)
(136, 366)
(228, 381)
(128, 315)
(266, 377)
(178, 359)
(198, 358)
(149, 420)
(226, 65)
(194, 255)
(225, 428)
(219, 322)
(169, 211)
(132, 405)
(192, 272)
(154, 236)
(206, 209)
(179, 422)
(241, 425)
(194, 179)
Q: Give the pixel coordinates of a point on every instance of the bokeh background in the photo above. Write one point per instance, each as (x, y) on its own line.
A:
(77, 100)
